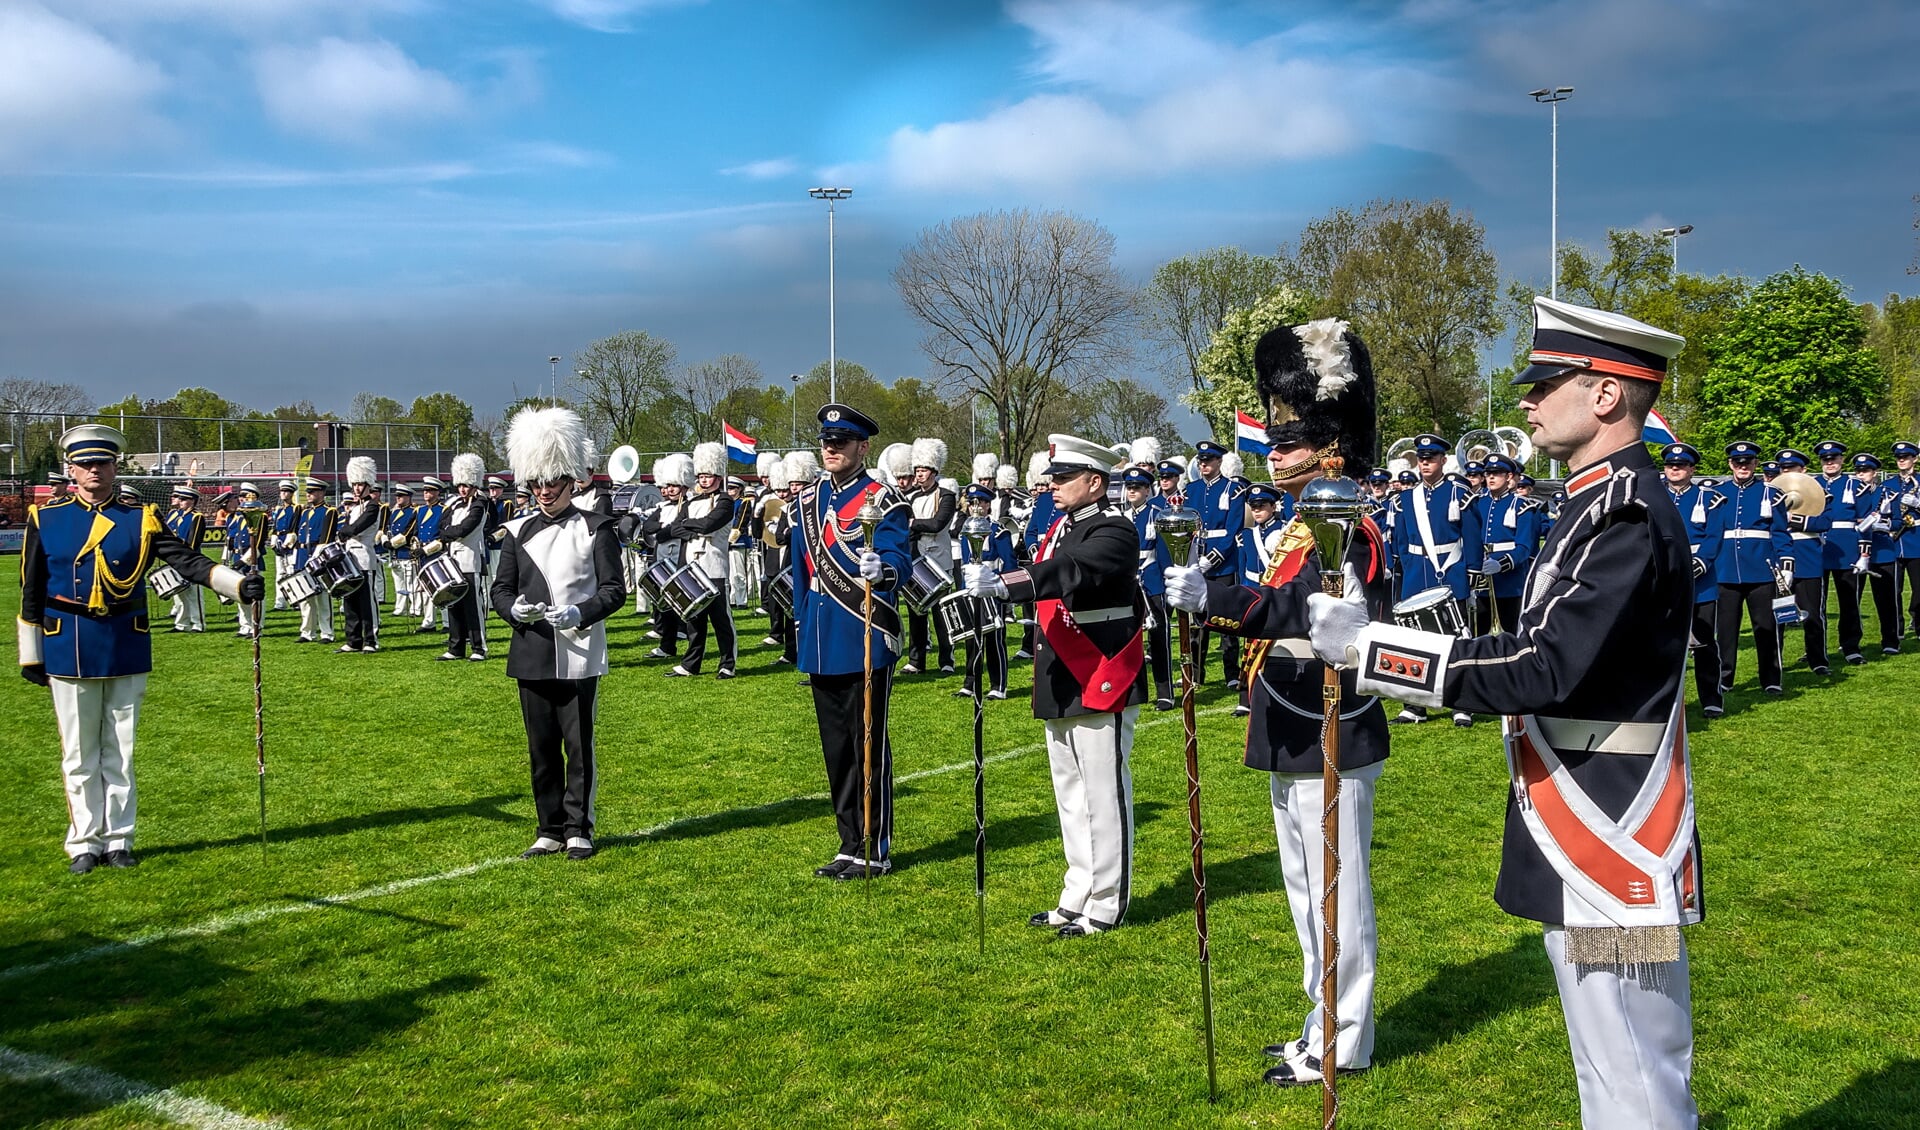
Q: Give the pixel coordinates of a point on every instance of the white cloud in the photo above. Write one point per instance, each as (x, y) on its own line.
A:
(351, 90)
(65, 87)
(1143, 93)
(763, 170)
(608, 15)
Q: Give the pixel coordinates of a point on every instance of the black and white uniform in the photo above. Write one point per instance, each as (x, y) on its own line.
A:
(463, 532)
(703, 532)
(1283, 739)
(573, 559)
(934, 509)
(666, 550)
(1087, 566)
(361, 524)
(1603, 850)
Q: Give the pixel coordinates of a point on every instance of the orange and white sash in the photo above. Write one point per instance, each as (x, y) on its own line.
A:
(1636, 871)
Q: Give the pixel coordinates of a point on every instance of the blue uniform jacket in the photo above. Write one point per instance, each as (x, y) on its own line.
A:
(284, 519)
(1704, 513)
(1879, 500)
(1039, 521)
(1223, 514)
(999, 552)
(829, 632)
(400, 522)
(240, 529)
(316, 529)
(428, 527)
(1898, 487)
(1846, 505)
(1511, 534)
(1456, 538)
(1153, 553)
(1754, 534)
(188, 526)
(1250, 563)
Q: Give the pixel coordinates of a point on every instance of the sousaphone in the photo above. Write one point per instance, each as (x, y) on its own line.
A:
(623, 466)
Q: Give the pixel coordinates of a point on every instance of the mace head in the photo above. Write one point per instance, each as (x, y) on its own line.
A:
(1178, 528)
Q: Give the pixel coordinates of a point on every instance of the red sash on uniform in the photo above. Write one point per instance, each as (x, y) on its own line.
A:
(1105, 680)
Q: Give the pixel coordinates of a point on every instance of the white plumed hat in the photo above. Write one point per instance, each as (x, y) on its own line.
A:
(674, 470)
(928, 452)
(952, 486)
(1037, 465)
(896, 462)
(546, 444)
(709, 459)
(1146, 450)
(361, 469)
(468, 469)
(776, 473)
(1232, 466)
(985, 465)
(803, 466)
(1007, 477)
(763, 464)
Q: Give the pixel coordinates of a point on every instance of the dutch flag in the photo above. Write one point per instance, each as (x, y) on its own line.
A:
(1250, 435)
(1657, 430)
(740, 445)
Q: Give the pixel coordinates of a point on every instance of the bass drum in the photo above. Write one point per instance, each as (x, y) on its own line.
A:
(1432, 610)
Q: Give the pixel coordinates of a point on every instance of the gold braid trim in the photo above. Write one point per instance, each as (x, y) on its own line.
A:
(107, 586)
(1311, 462)
(1291, 535)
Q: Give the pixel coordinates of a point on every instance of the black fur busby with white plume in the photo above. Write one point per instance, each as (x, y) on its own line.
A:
(546, 444)
(1316, 385)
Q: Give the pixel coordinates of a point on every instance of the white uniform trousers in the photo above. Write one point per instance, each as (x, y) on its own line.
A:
(316, 617)
(248, 625)
(430, 614)
(738, 564)
(189, 614)
(1298, 802)
(1631, 1028)
(282, 567)
(1093, 789)
(97, 718)
(402, 587)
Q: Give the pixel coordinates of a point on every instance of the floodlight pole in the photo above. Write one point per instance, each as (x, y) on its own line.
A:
(1673, 237)
(833, 375)
(793, 426)
(1553, 96)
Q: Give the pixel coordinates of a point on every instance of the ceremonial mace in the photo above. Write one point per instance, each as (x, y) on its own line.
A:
(1178, 528)
(258, 530)
(977, 531)
(869, 519)
(1332, 507)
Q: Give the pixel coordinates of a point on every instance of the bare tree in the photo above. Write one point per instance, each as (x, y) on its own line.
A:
(619, 384)
(1120, 410)
(1022, 306)
(710, 384)
(1190, 297)
(22, 401)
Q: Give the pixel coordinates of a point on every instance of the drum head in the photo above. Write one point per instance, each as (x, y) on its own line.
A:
(1423, 600)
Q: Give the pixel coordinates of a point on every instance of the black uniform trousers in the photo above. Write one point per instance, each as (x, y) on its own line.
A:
(463, 621)
(837, 700)
(669, 626)
(1846, 585)
(917, 640)
(1160, 644)
(718, 617)
(1910, 578)
(1757, 599)
(1810, 594)
(358, 605)
(1704, 644)
(1885, 581)
(559, 718)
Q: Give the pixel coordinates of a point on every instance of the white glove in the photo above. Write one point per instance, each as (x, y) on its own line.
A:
(525, 611)
(870, 566)
(396, 541)
(431, 547)
(1334, 623)
(1910, 499)
(1492, 566)
(982, 580)
(1862, 566)
(1186, 588)
(565, 616)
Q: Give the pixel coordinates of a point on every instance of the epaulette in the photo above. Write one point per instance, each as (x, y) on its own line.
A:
(1715, 499)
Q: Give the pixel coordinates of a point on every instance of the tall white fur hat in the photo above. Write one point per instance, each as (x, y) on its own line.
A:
(775, 470)
(361, 469)
(951, 486)
(709, 459)
(803, 466)
(985, 465)
(674, 470)
(929, 452)
(1037, 465)
(1007, 477)
(545, 444)
(763, 464)
(468, 469)
(896, 462)
(1145, 450)
(1232, 466)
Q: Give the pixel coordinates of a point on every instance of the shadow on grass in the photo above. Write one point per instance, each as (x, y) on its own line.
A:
(774, 813)
(1018, 831)
(1258, 871)
(1882, 1100)
(1462, 996)
(485, 808)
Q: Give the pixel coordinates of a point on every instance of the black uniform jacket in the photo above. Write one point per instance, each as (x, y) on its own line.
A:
(1094, 566)
(1603, 637)
(531, 653)
(1283, 733)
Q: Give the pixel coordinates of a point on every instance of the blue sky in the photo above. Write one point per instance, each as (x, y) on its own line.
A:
(285, 199)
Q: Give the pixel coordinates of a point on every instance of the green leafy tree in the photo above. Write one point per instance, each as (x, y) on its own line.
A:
(1118, 410)
(454, 417)
(1227, 363)
(1893, 333)
(1792, 367)
(1189, 298)
(623, 386)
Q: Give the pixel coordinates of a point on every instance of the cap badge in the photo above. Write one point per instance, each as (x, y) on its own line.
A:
(834, 415)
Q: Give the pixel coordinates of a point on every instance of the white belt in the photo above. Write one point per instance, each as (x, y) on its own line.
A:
(1503, 547)
(1804, 537)
(1843, 525)
(1762, 535)
(1569, 734)
(1220, 533)
(1099, 615)
(1440, 550)
(1298, 649)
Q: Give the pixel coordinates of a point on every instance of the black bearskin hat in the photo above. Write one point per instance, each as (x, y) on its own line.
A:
(1316, 385)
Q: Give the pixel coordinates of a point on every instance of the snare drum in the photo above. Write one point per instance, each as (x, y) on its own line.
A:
(167, 582)
(925, 585)
(1432, 610)
(336, 570)
(687, 592)
(780, 592)
(967, 617)
(654, 579)
(297, 588)
(441, 581)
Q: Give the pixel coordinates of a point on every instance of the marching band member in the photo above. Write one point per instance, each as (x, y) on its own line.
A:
(998, 554)
(934, 509)
(1007, 496)
(361, 521)
(1089, 679)
(1845, 507)
(401, 523)
(703, 530)
(559, 580)
(986, 470)
(1878, 550)
(59, 486)
(1038, 519)
(1218, 500)
(283, 524)
(462, 538)
(673, 476)
(1808, 534)
(245, 530)
(184, 522)
(1755, 565)
(1434, 536)
(1253, 550)
(741, 559)
(426, 530)
(499, 513)
(318, 523)
(1510, 528)
(1600, 843)
(1903, 489)
(1143, 505)
(83, 634)
(833, 570)
(1703, 511)
(804, 469)
(1286, 680)
(767, 510)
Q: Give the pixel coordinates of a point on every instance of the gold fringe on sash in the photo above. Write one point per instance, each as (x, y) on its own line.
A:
(1621, 945)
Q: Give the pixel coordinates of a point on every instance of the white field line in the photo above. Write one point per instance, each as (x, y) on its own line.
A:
(112, 1090)
(221, 923)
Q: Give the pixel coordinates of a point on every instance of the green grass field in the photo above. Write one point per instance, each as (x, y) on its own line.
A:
(390, 963)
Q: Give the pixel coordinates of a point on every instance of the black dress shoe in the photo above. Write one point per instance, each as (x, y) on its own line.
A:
(831, 869)
(580, 852)
(1043, 921)
(1163, 704)
(1284, 1051)
(540, 848)
(1823, 669)
(83, 863)
(724, 673)
(1072, 930)
(121, 858)
(855, 869)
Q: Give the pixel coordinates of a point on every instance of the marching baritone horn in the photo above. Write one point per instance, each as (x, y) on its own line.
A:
(623, 466)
